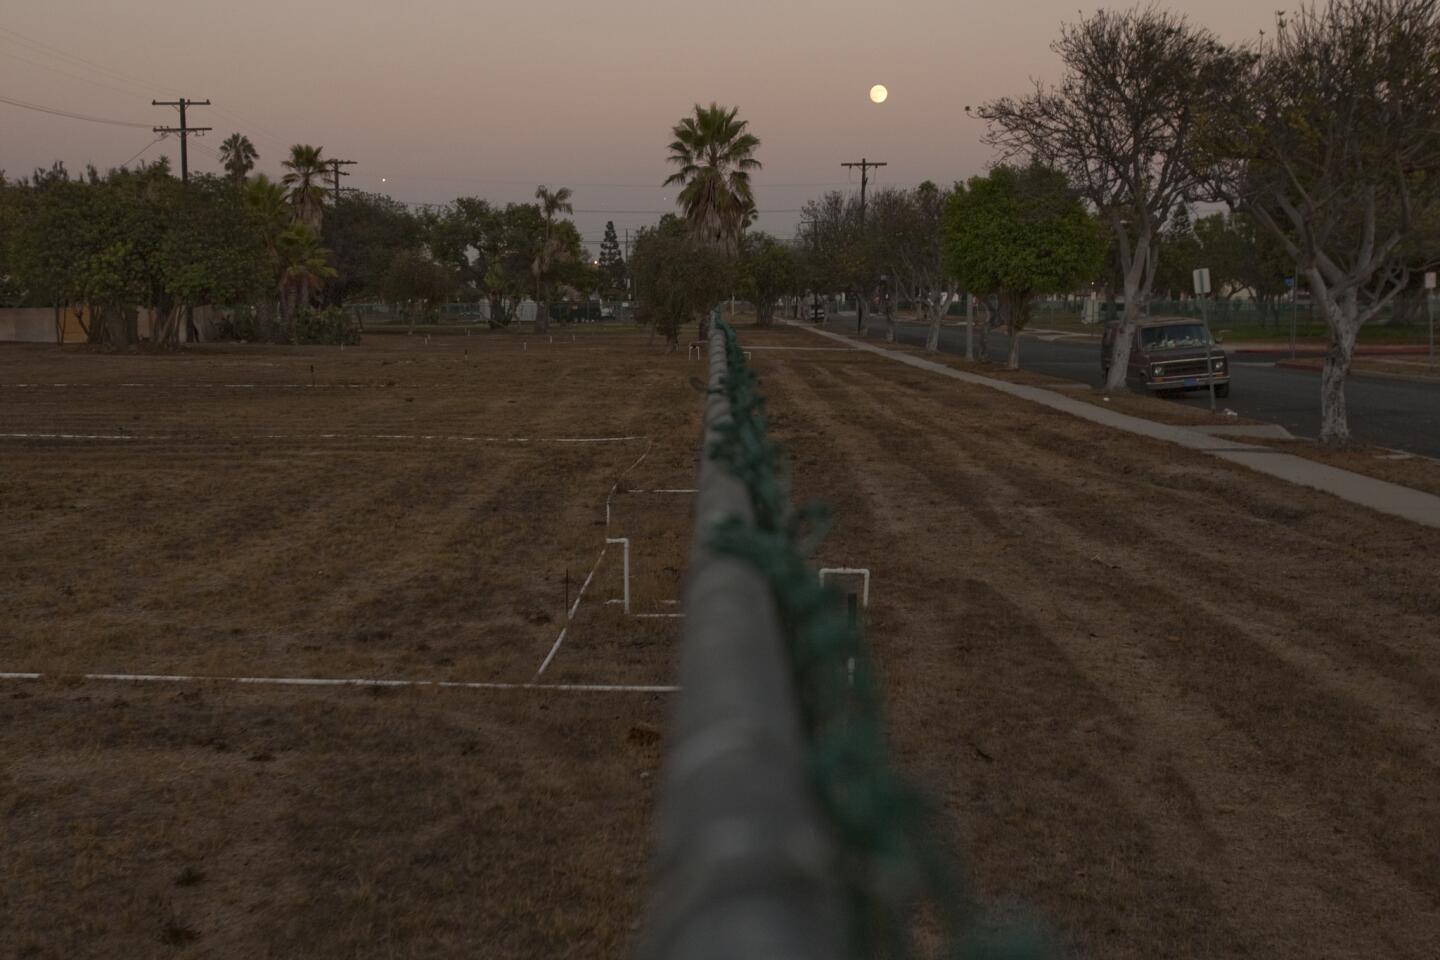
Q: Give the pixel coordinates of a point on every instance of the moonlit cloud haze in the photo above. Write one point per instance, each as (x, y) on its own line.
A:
(448, 97)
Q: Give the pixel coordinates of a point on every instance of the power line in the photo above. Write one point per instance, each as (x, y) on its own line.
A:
(142, 150)
(73, 116)
(135, 83)
(37, 46)
(183, 130)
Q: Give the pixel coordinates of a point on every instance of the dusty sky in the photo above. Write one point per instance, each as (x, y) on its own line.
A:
(491, 97)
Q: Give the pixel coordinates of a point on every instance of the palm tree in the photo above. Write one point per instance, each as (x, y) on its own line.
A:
(551, 203)
(715, 156)
(304, 264)
(273, 215)
(238, 154)
(307, 191)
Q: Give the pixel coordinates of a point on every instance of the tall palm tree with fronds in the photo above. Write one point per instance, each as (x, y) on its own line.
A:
(305, 179)
(304, 265)
(273, 214)
(239, 155)
(551, 203)
(715, 155)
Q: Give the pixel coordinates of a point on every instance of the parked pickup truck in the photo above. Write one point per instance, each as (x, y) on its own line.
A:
(1173, 354)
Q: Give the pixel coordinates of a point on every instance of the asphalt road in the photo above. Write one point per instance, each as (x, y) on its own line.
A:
(1400, 414)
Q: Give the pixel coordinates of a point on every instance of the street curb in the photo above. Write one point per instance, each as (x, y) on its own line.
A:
(1381, 496)
(1311, 351)
(1299, 364)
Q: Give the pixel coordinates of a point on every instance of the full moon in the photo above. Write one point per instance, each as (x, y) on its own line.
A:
(878, 93)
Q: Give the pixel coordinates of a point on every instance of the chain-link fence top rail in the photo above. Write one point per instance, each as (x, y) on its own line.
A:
(784, 829)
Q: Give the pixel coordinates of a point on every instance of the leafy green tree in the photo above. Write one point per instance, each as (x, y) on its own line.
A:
(238, 155)
(16, 208)
(767, 271)
(466, 238)
(1017, 233)
(612, 264)
(93, 243)
(363, 231)
(213, 250)
(305, 179)
(272, 216)
(417, 284)
(834, 252)
(678, 277)
(715, 155)
(1123, 123)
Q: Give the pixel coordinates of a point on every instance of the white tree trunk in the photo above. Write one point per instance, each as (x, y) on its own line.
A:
(1342, 315)
(1137, 291)
(969, 326)
(938, 307)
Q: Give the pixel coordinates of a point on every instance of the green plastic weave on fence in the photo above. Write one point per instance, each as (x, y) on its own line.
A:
(895, 860)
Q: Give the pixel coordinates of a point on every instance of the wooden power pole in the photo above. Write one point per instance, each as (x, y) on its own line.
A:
(864, 166)
(336, 173)
(184, 130)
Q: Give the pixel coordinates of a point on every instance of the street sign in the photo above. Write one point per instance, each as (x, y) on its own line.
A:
(1430, 280)
(1202, 281)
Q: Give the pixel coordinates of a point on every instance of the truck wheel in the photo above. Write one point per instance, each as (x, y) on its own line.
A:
(1222, 390)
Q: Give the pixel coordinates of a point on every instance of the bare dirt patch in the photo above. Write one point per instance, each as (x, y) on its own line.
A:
(1180, 708)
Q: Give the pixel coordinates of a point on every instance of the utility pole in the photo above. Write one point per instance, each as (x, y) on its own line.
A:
(864, 166)
(184, 130)
(336, 173)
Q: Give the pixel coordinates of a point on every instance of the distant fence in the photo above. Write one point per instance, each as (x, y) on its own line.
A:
(560, 311)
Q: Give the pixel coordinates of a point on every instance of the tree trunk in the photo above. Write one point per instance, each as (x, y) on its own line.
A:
(1343, 318)
(1137, 291)
(969, 326)
(115, 331)
(263, 320)
(982, 347)
(938, 307)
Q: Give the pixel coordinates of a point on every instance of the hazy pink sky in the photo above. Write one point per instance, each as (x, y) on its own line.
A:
(491, 97)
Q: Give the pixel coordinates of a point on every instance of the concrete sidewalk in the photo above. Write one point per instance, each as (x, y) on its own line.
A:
(1378, 495)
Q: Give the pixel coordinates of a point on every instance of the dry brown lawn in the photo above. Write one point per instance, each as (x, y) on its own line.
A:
(374, 525)
(1178, 708)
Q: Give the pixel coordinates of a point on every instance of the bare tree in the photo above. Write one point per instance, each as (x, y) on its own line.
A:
(1333, 146)
(1121, 125)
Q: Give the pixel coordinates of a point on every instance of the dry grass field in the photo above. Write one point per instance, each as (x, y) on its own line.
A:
(213, 513)
(1179, 709)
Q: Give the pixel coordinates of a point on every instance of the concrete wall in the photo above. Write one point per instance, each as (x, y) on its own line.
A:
(37, 324)
(29, 324)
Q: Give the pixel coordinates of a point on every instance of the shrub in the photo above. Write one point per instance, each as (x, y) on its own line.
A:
(329, 326)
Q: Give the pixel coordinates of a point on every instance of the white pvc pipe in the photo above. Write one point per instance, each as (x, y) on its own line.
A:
(354, 682)
(852, 572)
(626, 563)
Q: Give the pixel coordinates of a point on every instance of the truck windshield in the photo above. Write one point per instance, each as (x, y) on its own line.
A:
(1174, 335)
